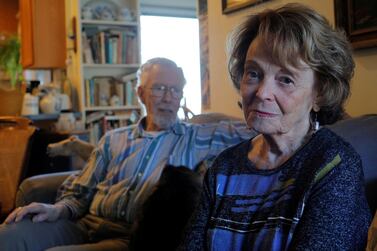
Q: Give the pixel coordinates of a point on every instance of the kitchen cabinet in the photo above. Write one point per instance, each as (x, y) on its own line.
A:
(43, 35)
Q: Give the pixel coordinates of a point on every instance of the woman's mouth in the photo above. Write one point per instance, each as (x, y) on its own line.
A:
(264, 114)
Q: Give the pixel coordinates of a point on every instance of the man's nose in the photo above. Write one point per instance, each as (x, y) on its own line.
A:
(167, 95)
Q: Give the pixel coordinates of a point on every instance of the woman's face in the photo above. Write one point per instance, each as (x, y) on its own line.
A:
(276, 99)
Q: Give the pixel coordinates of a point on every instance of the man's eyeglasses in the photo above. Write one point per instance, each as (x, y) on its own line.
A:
(161, 90)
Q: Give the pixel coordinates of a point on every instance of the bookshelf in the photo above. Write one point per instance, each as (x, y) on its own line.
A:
(104, 66)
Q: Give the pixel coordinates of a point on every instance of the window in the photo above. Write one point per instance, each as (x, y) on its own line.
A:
(177, 39)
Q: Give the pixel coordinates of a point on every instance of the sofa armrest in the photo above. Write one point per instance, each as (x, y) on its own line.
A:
(40, 188)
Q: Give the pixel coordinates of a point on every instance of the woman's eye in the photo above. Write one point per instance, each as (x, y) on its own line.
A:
(286, 80)
(253, 75)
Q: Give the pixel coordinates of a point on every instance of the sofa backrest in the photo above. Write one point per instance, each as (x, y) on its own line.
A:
(212, 117)
(361, 133)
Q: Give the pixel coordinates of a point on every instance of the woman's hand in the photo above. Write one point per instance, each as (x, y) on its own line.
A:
(39, 211)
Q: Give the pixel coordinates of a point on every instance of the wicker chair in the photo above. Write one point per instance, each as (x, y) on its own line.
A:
(15, 135)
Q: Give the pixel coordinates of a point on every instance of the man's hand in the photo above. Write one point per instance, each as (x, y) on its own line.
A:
(40, 211)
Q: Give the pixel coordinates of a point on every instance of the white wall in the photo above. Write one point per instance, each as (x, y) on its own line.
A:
(224, 97)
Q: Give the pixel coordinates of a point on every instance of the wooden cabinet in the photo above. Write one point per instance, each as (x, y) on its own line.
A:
(43, 35)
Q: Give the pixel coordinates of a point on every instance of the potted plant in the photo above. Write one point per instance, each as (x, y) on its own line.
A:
(11, 91)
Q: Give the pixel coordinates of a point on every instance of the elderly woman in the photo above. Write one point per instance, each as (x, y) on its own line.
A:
(296, 185)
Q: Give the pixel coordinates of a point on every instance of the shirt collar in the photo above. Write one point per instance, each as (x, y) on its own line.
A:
(138, 132)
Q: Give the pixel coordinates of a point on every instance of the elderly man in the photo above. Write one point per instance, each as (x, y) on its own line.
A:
(95, 208)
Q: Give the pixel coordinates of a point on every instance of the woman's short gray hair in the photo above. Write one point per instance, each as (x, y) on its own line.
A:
(147, 66)
(294, 32)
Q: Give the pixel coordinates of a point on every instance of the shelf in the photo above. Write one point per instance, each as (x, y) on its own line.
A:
(112, 108)
(103, 41)
(109, 23)
(51, 116)
(114, 66)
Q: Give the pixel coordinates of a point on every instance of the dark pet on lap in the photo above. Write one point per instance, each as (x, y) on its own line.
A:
(166, 211)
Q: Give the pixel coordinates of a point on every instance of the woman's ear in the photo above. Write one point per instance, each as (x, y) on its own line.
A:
(317, 100)
(316, 107)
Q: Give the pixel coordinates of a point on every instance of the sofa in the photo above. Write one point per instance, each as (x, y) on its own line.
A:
(361, 132)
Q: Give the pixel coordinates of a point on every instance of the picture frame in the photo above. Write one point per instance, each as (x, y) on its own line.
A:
(229, 6)
(358, 18)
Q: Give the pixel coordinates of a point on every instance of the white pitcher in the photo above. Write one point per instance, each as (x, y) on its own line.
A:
(50, 103)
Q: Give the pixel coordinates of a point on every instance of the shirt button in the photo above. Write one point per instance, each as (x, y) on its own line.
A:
(147, 157)
(123, 213)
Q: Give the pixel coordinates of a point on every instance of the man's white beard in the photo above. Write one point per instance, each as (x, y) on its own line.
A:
(164, 122)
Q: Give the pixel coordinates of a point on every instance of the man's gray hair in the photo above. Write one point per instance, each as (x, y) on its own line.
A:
(147, 66)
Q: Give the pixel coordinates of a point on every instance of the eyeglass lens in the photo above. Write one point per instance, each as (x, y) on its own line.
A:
(159, 91)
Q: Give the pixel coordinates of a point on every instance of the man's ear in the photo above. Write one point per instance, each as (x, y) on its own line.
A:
(140, 93)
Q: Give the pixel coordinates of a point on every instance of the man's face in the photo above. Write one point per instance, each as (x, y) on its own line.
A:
(161, 105)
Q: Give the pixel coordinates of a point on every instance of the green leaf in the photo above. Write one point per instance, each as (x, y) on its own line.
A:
(10, 59)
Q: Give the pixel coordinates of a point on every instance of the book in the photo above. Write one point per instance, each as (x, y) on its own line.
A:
(131, 48)
(114, 36)
(92, 98)
(87, 93)
(102, 47)
(120, 48)
(103, 90)
(87, 51)
(129, 93)
(119, 91)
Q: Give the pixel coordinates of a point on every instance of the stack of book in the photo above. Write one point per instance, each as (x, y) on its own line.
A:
(110, 46)
(100, 90)
(100, 122)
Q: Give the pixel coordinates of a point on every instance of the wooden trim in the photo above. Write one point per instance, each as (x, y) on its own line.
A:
(229, 7)
(345, 19)
(27, 45)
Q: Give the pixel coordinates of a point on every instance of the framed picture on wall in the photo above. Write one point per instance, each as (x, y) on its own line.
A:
(229, 6)
(359, 20)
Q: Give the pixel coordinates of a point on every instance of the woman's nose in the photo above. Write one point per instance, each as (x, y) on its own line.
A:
(265, 90)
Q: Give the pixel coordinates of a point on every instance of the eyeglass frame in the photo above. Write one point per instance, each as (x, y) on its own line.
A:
(175, 92)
